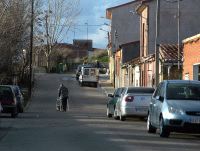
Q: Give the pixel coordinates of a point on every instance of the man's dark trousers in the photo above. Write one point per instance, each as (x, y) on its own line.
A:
(64, 103)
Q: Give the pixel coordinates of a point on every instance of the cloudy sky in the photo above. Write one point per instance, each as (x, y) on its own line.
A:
(92, 13)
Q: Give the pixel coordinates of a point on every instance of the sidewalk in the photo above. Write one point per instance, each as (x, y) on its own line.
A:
(106, 86)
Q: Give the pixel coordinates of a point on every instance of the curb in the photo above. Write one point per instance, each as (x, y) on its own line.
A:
(104, 89)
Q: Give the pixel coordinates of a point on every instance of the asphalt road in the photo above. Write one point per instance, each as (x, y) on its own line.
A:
(83, 128)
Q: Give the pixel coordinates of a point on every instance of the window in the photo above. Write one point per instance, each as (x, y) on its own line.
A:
(141, 90)
(157, 92)
(177, 91)
(199, 72)
(92, 72)
(86, 72)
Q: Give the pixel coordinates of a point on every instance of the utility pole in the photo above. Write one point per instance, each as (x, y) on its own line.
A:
(114, 52)
(31, 47)
(156, 42)
(178, 19)
(87, 29)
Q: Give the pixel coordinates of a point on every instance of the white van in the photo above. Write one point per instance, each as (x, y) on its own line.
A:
(89, 75)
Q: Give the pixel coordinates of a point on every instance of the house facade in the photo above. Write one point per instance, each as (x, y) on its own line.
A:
(167, 31)
(191, 61)
(124, 29)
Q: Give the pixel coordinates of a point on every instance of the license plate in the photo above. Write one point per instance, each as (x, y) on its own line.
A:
(195, 120)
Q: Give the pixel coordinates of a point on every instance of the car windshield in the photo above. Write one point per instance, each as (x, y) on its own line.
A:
(177, 91)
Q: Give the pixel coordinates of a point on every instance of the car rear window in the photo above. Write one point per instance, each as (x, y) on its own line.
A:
(86, 72)
(5, 92)
(140, 90)
(92, 72)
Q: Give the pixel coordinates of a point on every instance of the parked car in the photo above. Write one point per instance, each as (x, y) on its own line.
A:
(175, 107)
(89, 75)
(8, 100)
(78, 70)
(134, 101)
(20, 98)
(112, 101)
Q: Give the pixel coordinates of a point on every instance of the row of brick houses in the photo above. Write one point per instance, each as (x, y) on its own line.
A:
(132, 41)
(191, 59)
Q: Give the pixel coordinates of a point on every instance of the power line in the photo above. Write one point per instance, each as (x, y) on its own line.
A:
(80, 25)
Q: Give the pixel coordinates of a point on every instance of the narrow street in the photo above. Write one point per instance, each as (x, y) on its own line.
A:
(84, 127)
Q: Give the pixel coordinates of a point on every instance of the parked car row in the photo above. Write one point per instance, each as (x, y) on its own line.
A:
(174, 106)
(11, 100)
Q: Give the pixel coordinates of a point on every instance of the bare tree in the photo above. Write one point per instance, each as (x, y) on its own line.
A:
(14, 36)
(58, 18)
(11, 33)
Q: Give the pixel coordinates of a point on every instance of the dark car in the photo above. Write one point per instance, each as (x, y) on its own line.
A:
(111, 104)
(8, 100)
(20, 99)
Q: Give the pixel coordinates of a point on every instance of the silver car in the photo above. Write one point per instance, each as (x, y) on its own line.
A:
(134, 101)
(175, 107)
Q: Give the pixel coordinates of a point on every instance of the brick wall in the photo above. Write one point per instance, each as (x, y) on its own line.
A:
(191, 52)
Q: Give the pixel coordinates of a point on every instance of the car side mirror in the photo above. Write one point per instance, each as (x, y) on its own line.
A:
(117, 95)
(159, 98)
(110, 95)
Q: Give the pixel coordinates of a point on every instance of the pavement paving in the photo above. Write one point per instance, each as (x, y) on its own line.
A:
(106, 84)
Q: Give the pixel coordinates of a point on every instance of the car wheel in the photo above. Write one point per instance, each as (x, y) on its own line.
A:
(116, 117)
(121, 117)
(164, 132)
(108, 112)
(150, 128)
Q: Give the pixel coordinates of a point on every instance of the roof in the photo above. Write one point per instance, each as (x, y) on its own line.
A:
(182, 81)
(141, 6)
(192, 39)
(64, 45)
(129, 43)
(109, 10)
(130, 51)
(169, 52)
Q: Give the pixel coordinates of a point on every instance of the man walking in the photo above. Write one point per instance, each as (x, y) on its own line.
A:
(63, 95)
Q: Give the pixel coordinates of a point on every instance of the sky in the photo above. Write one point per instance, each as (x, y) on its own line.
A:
(93, 14)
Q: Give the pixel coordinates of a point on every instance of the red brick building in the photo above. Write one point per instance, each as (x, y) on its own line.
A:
(191, 61)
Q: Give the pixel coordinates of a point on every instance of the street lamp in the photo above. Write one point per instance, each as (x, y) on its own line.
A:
(107, 34)
(114, 47)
